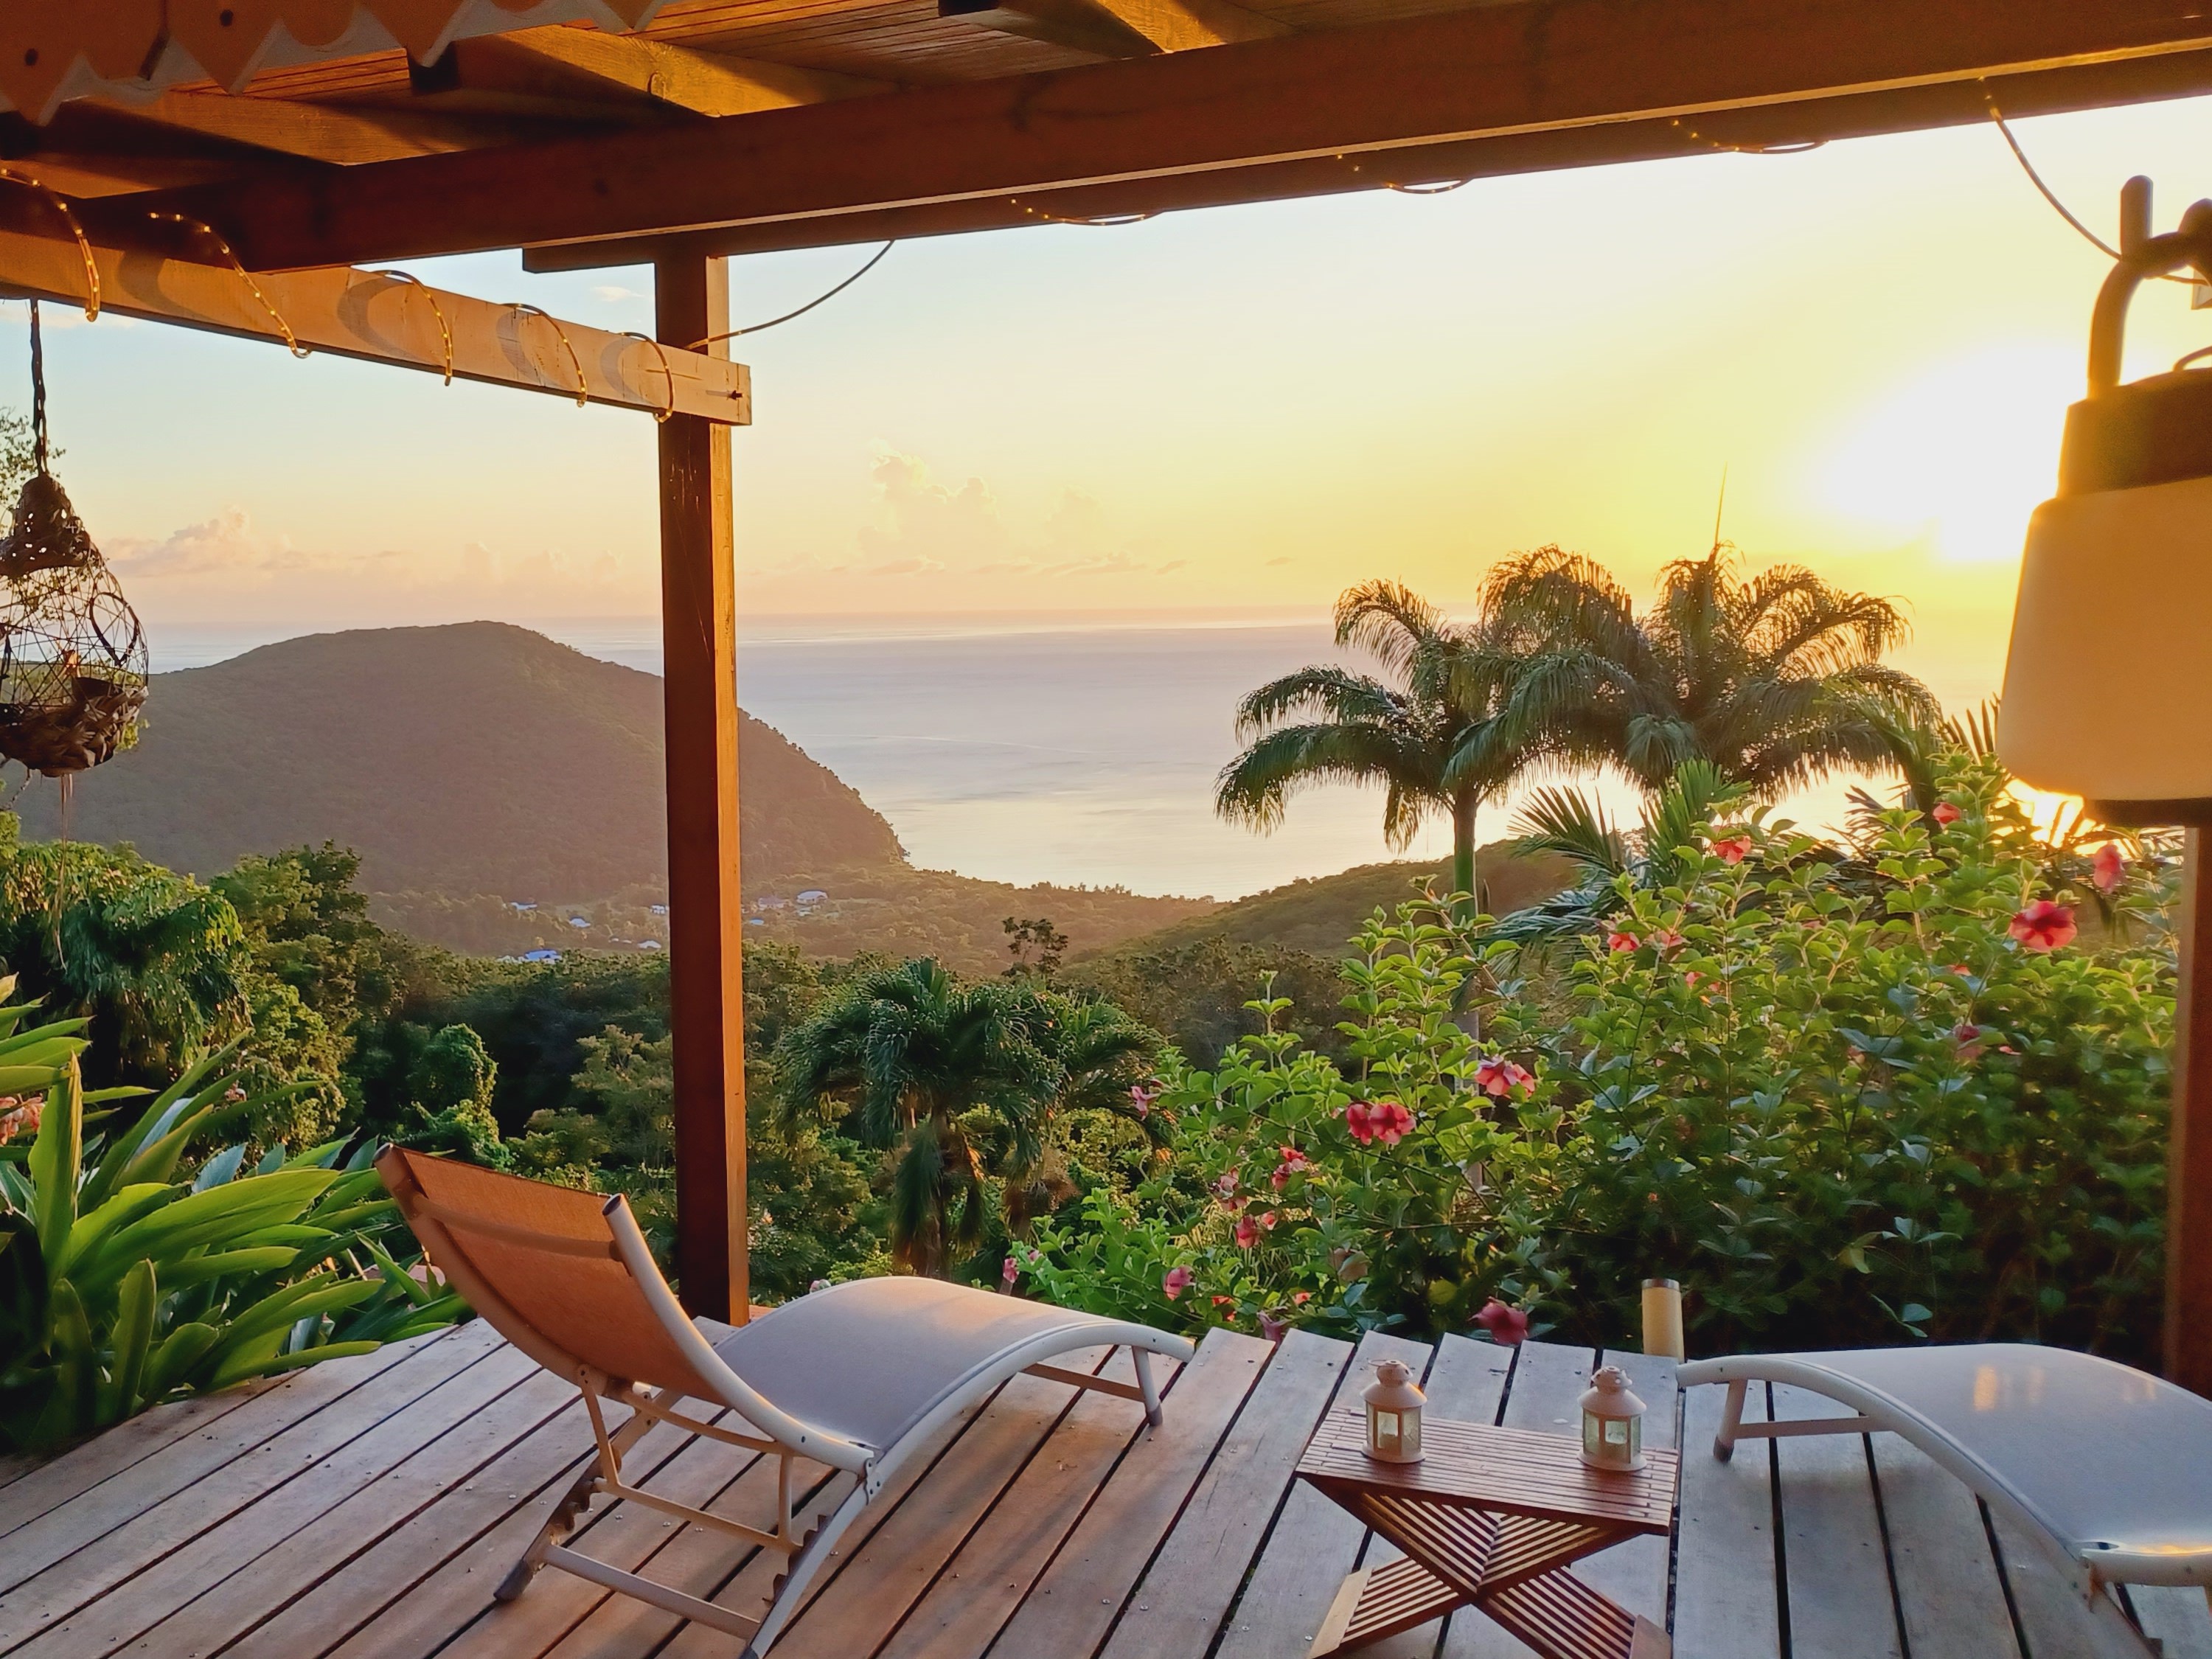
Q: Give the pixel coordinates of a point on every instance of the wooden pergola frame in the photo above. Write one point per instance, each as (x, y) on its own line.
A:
(235, 167)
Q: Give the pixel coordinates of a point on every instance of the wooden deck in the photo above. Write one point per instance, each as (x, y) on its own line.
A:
(363, 1510)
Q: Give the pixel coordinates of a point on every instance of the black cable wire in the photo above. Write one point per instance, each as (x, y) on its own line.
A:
(2048, 194)
(756, 328)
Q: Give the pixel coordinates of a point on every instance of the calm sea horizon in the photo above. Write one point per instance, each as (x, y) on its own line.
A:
(1070, 750)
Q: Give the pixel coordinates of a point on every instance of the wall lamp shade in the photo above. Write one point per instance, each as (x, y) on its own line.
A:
(2108, 684)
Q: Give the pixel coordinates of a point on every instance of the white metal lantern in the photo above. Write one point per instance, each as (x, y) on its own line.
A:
(1393, 1406)
(1613, 1422)
(2115, 610)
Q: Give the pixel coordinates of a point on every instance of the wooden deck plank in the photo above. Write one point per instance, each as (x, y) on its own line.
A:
(2053, 1618)
(208, 1554)
(911, 1545)
(76, 1471)
(77, 1500)
(1947, 1586)
(982, 1585)
(1840, 1604)
(1189, 1587)
(689, 1470)
(452, 1593)
(1314, 1545)
(368, 1587)
(1074, 1604)
(2181, 1619)
(245, 1598)
(110, 1542)
(1726, 1604)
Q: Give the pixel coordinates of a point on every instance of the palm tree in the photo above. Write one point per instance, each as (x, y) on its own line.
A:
(1776, 678)
(1430, 733)
(960, 1081)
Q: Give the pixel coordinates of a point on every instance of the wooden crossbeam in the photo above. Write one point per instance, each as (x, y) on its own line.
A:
(1480, 74)
(1076, 25)
(389, 319)
(2042, 92)
(1188, 25)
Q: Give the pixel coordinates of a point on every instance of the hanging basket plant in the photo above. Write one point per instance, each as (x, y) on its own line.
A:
(72, 654)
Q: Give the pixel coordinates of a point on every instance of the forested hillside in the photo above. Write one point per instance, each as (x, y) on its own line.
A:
(478, 758)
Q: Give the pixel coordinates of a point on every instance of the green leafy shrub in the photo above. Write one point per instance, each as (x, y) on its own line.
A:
(1917, 1090)
(125, 1281)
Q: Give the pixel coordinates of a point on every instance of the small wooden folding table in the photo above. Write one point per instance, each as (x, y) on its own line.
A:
(1490, 1518)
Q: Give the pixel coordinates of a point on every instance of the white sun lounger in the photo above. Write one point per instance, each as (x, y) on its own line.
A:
(866, 1373)
(2107, 1468)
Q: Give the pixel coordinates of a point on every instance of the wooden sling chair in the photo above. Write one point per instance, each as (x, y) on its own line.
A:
(868, 1371)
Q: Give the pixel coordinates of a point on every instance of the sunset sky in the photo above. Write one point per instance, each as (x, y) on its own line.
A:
(1237, 411)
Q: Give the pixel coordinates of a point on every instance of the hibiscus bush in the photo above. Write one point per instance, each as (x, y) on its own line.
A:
(1915, 1087)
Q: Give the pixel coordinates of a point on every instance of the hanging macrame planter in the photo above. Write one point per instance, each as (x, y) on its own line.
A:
(72, 654)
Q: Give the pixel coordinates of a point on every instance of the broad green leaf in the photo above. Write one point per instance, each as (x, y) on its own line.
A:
(55, 1158)
(219, 1264)
(134, 1331)
(126, 1207)
(235, 1372)
(175, 1356)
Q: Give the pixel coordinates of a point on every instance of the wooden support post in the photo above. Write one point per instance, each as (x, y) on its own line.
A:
(698, 622)
(2189, 1192)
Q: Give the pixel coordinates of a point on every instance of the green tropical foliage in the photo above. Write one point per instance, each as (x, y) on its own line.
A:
(961, 1084)
(1432, 733)
(1850, 1095)
(1775, 677)
(128, 1277)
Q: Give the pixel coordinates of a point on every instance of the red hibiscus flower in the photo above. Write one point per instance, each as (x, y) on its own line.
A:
(1275, 1326)
(1389, 1122)
(2043, 926)
(1507, 1325)
(1141, 1097)
(1224, 1301)
(1617, 941)
(1247, 1232)
(1732, 848)
(1011, 1271)
(1668, 940)
(1299, 1298)
(1268, 1220)
(1225, 1190)
(1294, 1163)
(1175, 1282)
(1970, 1037)
(2108, 868)
(1946, 814)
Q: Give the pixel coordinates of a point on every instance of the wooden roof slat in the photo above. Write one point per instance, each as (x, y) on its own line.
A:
(681, 77)
(1300, 100)
(338, 133)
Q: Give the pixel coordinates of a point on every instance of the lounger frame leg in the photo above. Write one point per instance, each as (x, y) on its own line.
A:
(790, 1588)
(1731, 1421)
(1146, 1387)
(570, 1509)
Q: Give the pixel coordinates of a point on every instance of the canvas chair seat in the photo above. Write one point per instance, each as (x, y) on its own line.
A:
(860, 1378)
(872, 1359)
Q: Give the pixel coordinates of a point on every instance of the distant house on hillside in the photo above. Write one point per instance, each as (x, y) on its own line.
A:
(541, 955)
(578, 921)
(649, 944)
(525, 909)
(813, 895)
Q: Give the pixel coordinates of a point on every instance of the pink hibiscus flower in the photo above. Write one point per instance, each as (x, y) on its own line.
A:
(2108, 868)
(1668, 940)
(1970, 1037)
(1175, 1282)
(1946, 814)
(1294, 1163)
(2043, 926)
(1507, 1325)
(1498, 1077)
(1618, 942)
(1010, 1272)
(1247, 1232)
(1275, 1324)
(1141, 1097)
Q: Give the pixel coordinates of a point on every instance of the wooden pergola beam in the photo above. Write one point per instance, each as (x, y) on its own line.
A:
(386, 318)
(1783, 126)
(334, 133)
(1493, 72)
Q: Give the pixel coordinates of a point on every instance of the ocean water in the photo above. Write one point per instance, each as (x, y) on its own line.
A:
(1046, 752)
